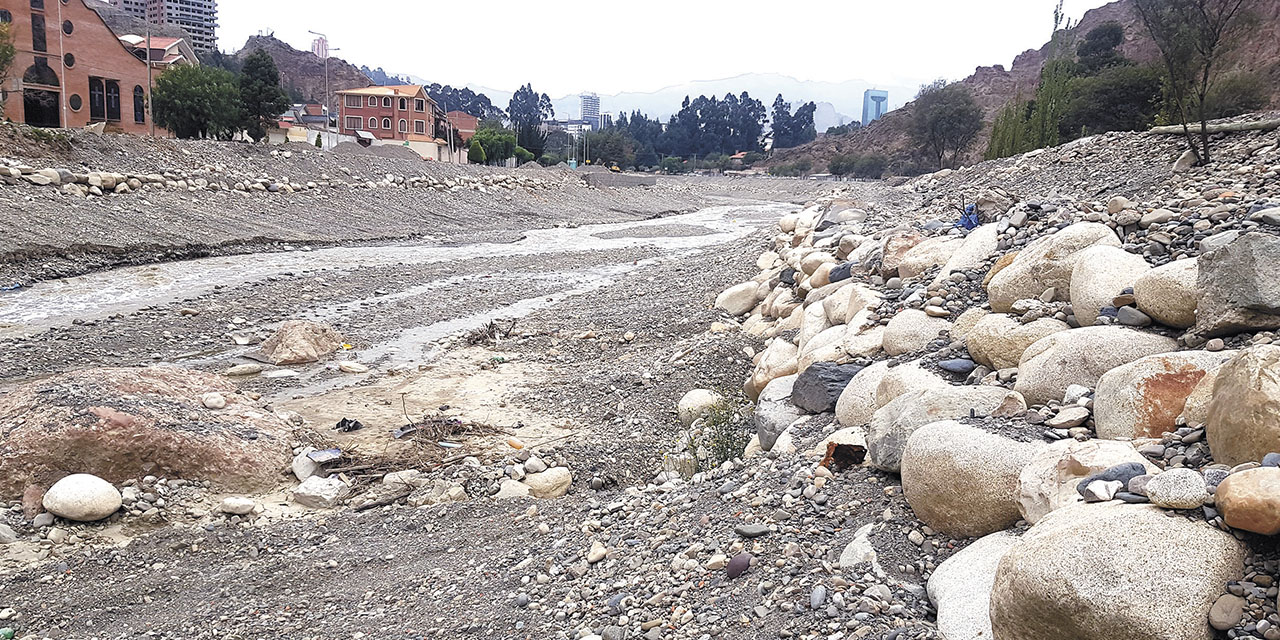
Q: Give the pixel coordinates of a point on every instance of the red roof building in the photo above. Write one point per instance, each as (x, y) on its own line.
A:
(400, 112)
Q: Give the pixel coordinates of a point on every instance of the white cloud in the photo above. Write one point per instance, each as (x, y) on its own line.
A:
(608, 47)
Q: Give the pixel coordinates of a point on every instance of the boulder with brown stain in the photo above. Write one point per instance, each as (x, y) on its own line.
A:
(1144, 398)
(122, 423)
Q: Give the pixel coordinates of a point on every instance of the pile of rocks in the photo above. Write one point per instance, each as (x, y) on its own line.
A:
(219, 178)
(1064, 365)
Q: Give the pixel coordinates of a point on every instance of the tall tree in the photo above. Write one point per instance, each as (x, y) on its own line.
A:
(790, 130)
(527, 110)
(197, 102)
(261, 98)
(465, 100)
(7, 54)
(945, 120)
(1192, 36)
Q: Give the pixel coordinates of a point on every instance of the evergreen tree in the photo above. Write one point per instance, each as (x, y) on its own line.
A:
(475, 155)
(262, 101)
(197, 102)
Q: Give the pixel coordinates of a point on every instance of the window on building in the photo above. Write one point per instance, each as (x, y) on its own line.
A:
(69, 60)
(354, 102)
(5, 16)
(386, 123)
(75, 101)
(404, 104)
(373, 123)
(38, 41)
(37, 4)
(139, 104)
(386, 103)
(419, 105)
(67, 27)
(404, 126)
(113, 100)
(420, 126)
(353, 122)
(373, 102)
(97, 99)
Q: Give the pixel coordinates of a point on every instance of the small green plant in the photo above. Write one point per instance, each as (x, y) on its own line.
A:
(319, 144)
(721, 434)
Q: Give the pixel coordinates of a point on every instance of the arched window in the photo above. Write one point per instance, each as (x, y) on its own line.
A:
(373, 102)
(40, 73)
(386, 123)
(373, 123)
(139, 105)
(97, 99)
(113, 100)
(404, 104)
(404, 126)
(386, 102)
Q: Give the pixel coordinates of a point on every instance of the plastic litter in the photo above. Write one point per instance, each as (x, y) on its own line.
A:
(325, 455)
(347, 425)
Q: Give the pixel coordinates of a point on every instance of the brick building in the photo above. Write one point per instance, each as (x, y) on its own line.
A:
(70, 69)
(465, 123)
(400, 112)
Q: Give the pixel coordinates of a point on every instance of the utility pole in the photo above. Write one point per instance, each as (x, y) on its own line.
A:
(328, 103)
(150, 84)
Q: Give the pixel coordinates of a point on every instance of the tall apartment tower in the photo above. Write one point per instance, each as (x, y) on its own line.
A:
(198, 17)
(320, 47)
(590, 106)
(875, 103)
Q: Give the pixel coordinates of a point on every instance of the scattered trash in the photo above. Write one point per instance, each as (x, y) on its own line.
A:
(842, 456)
(347, 425)
(13, 287)
(970, 218)
(404, 431)
(325, 455)
(449, 445)
(515, 443)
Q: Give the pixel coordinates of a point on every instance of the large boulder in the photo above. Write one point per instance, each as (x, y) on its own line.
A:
(321, 493)
(857, 402)
(863, 342)
(848, 301)
(927, 255)
(1244, 416)
(961, 480)
(1144, 398)
(1101, 273)
(1250, 500)
(82, 497)
(813, 322)
(893, 424)
(696, 403)
(912, 330)
(904, 378)
(828, 346)
(780, 358)
(1195, 410)
(298, 342)
(966, 322)
(1169, 294)
(1046, 263)
(1081, 356)
(896, 246)
(818, 388)
(960, 588)
(1048, 482)
(1107, 572)
(122, 423)
(998, 340)
(552, 483)
(739, 299)
(978, 247)
(775, 411)
(1239, 286)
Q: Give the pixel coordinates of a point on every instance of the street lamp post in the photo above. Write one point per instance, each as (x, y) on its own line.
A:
(328, 102)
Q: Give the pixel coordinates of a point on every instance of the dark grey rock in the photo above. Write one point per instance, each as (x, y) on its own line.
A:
(738, 565)
(818, 388)
(751, 530)
(957, 365)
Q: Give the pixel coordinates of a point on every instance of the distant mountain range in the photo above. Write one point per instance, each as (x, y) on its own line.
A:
(838, 102)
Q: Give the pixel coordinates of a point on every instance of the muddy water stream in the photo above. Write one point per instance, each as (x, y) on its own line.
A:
(59, 302)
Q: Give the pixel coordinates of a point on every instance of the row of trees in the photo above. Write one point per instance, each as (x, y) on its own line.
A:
(209, 102)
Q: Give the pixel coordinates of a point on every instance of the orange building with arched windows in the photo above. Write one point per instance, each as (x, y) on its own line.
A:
(70, 69)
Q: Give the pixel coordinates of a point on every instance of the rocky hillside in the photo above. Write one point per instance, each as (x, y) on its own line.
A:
(994, 86)
(303, 71)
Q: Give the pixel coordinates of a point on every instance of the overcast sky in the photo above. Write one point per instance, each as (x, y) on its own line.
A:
(644, 45)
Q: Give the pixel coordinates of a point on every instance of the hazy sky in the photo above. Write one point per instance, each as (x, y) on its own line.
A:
(644, 45)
